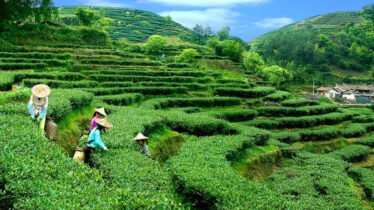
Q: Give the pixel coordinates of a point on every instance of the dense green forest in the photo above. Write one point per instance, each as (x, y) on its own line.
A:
(330, 48)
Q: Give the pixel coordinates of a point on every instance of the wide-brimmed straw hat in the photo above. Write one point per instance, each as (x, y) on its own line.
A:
(41, 90)
(139, 137)
(101, 111)
(104, 122)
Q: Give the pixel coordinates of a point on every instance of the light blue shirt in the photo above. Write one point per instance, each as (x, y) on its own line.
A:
(95, 139)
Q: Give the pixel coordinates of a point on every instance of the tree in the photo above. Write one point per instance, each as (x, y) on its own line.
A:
(230, 48)
(199, 33)
(86, 17)
(208, 32)
(20, 10)
(168, 18)
(276, 74)
(155, 44)
(252, 61)
(368, 12)
(187, 56)
(223, 34)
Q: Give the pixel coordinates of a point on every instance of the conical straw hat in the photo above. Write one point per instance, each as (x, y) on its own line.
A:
(104, 122)
(140, 136)
(101, 111)
(41, 91)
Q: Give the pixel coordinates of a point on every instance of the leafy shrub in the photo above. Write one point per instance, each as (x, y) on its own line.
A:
(265, 124)
(234, 116)
(278, 96)
(142, 90)
(368, 141)
(365, 177)
(155, 44)
(112, 78)
(201, 171)
(321, 134)
(60, 84)
(252, 62)
(187, 56)
(18, 77)
(62, 102)
(230, 48)
(12, 66)
(6, 81)
(192, 73)
(353, 130)
(94, 36)
(309, 121)
(352, 153)
(160, 103)
(60, 56)
(255, 92)
(178, 65)
(122, 100)
(32, 182)
(363, 118)
(297, 102)
(121, 62)
(197, 125)
(315, 182)
(300, 111)
(287, 137)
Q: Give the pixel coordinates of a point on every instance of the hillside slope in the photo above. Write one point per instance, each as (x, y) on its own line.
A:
(327, 24)
(134, 25)
(333, 48)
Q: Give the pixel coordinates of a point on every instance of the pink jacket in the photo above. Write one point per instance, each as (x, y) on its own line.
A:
(93, 123)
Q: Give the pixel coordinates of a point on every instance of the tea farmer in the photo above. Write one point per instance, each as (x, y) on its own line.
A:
(94, 139)
(143, 144)
(38, 104)
(97, 115)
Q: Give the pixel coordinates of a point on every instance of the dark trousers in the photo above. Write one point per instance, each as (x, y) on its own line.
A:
(88, 155)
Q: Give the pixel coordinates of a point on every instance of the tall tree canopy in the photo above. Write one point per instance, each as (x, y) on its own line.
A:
(20, 10)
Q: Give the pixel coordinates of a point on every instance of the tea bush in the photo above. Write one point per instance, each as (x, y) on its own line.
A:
(234, 116)
(301, 122)
(320, 134)
(297, 102)
(160, 103)
(60, 56)
(287, 137)
(142, 90)
(33, 169)
(113, 78)
(315, 182)
(255, 92)
(202, 172)
(353, 130)
(154, 73)
(300, 111)
(121, 62)
(60, 84)
(368, 141)
(15, 66)
(18, 77)
(121, 100)
(352, 153)
(278, 96)
(62, 102)
(365, 177)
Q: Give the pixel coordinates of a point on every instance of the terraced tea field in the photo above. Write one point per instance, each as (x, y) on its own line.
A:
(213, 142)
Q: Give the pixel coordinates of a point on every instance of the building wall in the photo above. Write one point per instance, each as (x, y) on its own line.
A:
(363, 100)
